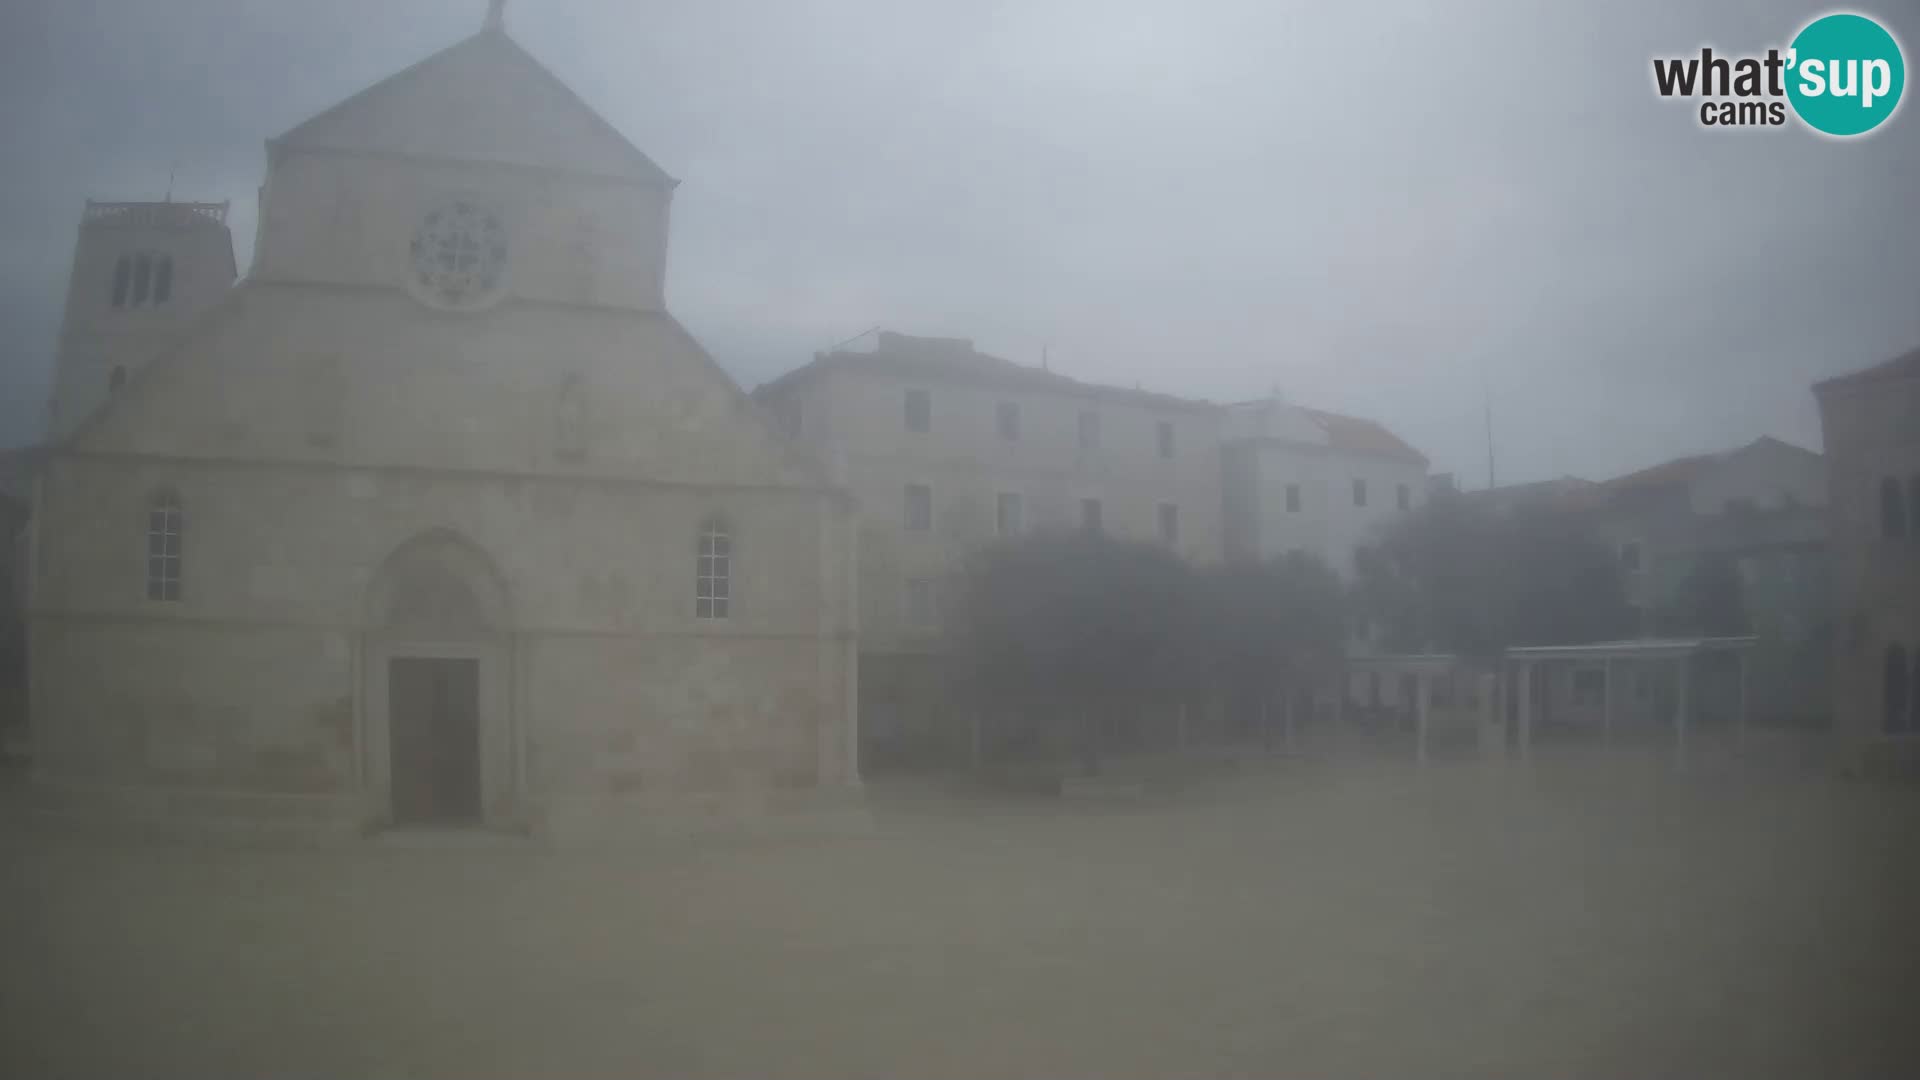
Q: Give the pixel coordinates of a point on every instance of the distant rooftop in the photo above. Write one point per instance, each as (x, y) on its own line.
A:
(1563, 492)
(955, 360)
(1352, 434)
(1904, 366)
(154, 215)
(1683, 470)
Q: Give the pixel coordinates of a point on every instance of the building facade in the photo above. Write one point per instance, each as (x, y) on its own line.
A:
(1870, 421)
(143, 275)
(439, 517)
(1762, 505)
(1313, 482)
(946, 449)
(1729, 543)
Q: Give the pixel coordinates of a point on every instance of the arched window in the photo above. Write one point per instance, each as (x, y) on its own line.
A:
(1896, 715)
(713, 587)
(164, 526)
(116, 378)
(1893, 510)
(142, 278)
(162, 279)
(122, 277)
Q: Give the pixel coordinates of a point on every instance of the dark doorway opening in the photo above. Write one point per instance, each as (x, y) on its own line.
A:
(433, 717)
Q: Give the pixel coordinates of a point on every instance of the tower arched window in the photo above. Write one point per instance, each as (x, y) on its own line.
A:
(142, 278)
(122, 278)
(1893, 509)
(713, 585)
(165, 525)
(162, 279)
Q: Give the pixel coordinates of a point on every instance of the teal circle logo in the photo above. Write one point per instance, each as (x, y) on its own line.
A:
(1845, 74)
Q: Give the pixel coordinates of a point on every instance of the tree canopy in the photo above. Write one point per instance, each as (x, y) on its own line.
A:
(1080, 624)
(1455, 576)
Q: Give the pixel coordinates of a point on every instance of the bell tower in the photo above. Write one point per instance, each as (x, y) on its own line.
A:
(142, 271)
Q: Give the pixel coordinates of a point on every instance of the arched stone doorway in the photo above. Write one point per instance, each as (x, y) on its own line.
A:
(441, 745)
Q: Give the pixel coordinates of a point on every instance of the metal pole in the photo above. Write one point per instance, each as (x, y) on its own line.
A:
(1740, 731)
(1525, 675)
(1292, 699)
(1421, 694)
(1606, 704)
(1681, 707)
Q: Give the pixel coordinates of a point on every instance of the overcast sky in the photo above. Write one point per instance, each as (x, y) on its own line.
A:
(1377, 208)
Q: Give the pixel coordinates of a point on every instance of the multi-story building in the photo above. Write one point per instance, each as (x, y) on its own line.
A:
(143, 274)
(439, 517)
(945, 448)
(1759, 511)
(1871, 425)
(1760, 506)
(1313, 482)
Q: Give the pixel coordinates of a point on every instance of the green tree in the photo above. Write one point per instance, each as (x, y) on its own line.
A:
(1266, 630)
(1457, 577)
(1069, 626)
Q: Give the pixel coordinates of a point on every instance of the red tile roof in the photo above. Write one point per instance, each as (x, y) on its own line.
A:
(1359, 435)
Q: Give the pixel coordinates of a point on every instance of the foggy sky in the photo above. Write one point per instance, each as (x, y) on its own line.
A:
(1377, 208)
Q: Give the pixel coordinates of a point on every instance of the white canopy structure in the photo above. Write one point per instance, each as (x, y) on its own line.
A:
(1677, 651)
(1519, 662)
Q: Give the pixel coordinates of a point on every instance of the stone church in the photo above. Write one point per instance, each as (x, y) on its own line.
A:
(438, 516)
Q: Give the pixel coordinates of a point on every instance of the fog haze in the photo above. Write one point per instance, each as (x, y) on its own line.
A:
(1377, 210)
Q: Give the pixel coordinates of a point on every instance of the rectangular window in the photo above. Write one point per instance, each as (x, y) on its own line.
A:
(1405, 495)
(1089, 431)
(1359, 492)
(1011, 514)
(1007, 418)
(919, 508)
(1293, 498)
(919, 410)
(142, 274)
(1090, 515)
(1630, 555)
(1169, 523)
(713, 590)
(163, 549)
(1166, 438)
(920, 602)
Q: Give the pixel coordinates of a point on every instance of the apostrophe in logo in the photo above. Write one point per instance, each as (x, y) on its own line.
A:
(1842, 76)
(1846, 74)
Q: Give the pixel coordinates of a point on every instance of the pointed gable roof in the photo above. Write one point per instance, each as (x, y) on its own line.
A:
(481, 99)
(1362, 436)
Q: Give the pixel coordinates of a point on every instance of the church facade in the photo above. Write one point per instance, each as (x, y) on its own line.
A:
(439, 516)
